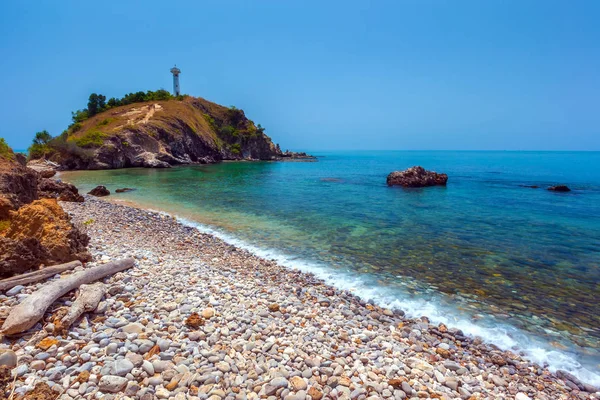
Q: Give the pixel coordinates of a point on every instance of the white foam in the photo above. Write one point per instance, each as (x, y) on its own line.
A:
(505, 336)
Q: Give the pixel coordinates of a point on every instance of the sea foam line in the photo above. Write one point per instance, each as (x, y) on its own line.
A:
(504, 336)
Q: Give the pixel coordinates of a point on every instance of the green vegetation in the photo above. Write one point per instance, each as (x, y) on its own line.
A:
(90, 139)
(97, 103)
(105, 121)
(44, 145)
(5, 150)
(89, 222)
(76, 127)
(40, 147)
(236, 149)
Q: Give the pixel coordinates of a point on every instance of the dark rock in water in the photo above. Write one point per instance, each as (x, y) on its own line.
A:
(416, 177)
(565, 376)
(331, 180)
(123, 190)
(559, 188)
(530, 186)
(99, 191)
(53, 189)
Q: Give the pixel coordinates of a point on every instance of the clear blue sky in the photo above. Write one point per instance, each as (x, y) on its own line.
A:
(321, 74)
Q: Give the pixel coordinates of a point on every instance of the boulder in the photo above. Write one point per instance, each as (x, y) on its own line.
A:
(123, 190)
(55, 189)
(43, 167)
(559, 188)
(416, 177)
(40, 233)
(18, 256)
(99, 191)
(18, 184)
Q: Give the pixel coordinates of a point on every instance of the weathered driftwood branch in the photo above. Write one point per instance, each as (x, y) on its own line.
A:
(87, 300)
(38, 275)
(35, 276)
(24, 315)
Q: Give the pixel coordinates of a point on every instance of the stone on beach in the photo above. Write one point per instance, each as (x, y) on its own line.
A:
(262, 337)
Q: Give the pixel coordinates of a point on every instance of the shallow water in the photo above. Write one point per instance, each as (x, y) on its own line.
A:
(517, 265)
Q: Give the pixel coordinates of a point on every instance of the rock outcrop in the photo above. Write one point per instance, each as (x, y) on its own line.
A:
(45, 168)
(124, 190)
(55, 189)
(99, 191)
(33, 231)
(160, 134)
(18, 184)
(559, 188)
(416, 177)
(40, 233)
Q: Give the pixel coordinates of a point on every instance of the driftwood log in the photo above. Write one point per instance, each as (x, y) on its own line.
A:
(25, 315)
(35, 276)
(87, 300)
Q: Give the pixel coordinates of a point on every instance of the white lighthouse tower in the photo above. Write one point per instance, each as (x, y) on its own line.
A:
(175, 71)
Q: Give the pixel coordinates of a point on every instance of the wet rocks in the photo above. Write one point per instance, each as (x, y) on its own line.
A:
(145, 344)
(559, 188)
(124, 190)
(416, 177)
(99, 191)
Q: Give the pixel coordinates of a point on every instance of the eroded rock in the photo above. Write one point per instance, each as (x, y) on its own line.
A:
(416, 177)
(99, 191)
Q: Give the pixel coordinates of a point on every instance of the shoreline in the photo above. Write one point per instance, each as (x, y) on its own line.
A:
(481, 323)
(288, 324)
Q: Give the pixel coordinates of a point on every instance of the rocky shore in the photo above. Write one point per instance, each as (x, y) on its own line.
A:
(197, 318)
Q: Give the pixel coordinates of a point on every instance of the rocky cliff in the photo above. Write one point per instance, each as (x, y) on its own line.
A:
(162, 134)
(34, 229)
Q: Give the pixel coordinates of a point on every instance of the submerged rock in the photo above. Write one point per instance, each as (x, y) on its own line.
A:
(416, 177)
(123, 190)
(99, 191)
(559, 188)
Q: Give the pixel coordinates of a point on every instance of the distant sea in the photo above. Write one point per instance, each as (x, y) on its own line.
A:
(516, 265)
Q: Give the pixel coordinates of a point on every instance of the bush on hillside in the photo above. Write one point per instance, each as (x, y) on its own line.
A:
(90, 139)
(5, 150)
(40, 147)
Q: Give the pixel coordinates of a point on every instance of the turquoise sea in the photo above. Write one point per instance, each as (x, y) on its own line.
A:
(516, 265)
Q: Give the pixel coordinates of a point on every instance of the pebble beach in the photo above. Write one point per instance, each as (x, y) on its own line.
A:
(198, 318)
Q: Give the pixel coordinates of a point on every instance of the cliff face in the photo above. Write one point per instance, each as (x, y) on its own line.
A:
(18, 185)
(162, 134)
(33, 231)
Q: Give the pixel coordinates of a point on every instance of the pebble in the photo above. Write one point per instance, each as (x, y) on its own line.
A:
(15, 290)
(112, 384)
(8, 358)
(265, 332)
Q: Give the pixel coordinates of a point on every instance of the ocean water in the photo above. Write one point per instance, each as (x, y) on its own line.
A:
(515, 265)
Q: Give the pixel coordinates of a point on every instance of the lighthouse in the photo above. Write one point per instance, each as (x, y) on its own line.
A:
(175, 71)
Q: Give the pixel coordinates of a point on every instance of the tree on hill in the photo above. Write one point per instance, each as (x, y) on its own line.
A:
(96, 104)
(39, 148)
(42, 137)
